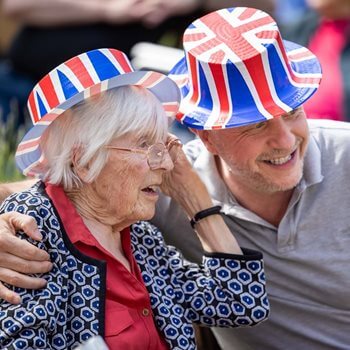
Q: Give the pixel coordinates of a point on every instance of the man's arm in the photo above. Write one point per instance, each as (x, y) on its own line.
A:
(11, 187)
(18, 257)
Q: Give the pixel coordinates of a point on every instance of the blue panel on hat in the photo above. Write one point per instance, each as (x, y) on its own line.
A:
(206, 98)
(42, 109)
(68, 88)
(241, 96)
(103, 66)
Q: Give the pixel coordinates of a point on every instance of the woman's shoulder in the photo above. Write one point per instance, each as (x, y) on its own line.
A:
(29, 199)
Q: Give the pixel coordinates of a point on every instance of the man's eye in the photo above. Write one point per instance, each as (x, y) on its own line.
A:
(260, 125)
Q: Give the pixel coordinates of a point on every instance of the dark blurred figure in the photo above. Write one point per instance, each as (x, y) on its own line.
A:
(325, 30)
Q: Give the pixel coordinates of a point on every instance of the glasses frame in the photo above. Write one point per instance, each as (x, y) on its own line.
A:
(166, 148)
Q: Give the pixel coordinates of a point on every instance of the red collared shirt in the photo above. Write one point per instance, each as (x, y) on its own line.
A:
(129, 324)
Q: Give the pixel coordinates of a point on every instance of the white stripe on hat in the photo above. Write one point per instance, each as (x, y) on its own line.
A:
(113, 60)
(89, 67)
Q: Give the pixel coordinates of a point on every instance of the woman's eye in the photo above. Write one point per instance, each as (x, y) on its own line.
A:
(143, 144)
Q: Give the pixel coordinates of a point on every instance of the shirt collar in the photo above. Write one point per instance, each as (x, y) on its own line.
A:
(72, 221)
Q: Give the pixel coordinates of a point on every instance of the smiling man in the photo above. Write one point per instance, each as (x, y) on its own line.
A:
(281, 180)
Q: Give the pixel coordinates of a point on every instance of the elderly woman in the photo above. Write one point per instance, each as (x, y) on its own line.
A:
(101, 148)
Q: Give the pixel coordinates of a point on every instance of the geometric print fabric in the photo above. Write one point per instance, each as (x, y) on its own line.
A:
(226, 291)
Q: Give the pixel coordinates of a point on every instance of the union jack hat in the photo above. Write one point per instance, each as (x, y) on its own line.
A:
(77, 79)
(237, 70)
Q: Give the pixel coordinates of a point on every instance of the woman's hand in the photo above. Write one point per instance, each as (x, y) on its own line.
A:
(183, 184)
(18, 257)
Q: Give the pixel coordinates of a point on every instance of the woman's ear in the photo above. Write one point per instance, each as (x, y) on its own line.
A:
(206, 138)
(80, 171)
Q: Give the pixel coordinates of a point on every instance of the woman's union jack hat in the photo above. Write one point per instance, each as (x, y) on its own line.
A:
(77, 79)
(237, 70)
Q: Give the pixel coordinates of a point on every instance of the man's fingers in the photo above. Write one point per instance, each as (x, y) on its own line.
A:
(21, 248)
(24, 223)
(8, 295)
(19, 280)
(15, 263)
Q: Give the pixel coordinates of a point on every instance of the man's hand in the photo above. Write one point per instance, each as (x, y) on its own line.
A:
(18, 257)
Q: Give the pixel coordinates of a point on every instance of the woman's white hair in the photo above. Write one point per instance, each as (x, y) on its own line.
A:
(94, 123)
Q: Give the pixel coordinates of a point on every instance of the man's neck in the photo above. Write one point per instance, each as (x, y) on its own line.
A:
(269, 206)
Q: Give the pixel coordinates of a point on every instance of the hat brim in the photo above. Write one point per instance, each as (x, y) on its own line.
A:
(244, 111)
(28, 156)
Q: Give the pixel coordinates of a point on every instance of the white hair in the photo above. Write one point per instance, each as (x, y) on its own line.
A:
(94, 123)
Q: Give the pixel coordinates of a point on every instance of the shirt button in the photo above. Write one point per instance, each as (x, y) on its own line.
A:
(145, 312)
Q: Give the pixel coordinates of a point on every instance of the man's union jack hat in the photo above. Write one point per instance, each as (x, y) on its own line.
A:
(237, 70)
(77, 79)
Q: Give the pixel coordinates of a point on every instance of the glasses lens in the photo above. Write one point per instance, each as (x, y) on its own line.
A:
(156, 155)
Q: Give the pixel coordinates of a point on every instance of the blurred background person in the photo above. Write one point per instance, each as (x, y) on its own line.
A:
(53, 31)
(325, 29)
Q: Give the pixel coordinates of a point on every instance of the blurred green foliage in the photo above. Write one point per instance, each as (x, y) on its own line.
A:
(10, 136)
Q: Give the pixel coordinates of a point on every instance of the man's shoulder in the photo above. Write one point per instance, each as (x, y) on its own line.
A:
(330, 131)
(326, 125)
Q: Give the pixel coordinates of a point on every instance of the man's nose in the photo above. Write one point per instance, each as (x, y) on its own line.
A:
(281, 134)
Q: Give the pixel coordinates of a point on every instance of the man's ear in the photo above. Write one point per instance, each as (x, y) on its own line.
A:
(206, 137)
(79, 170)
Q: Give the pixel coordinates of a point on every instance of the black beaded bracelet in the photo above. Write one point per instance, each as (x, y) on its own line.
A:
(204, 213)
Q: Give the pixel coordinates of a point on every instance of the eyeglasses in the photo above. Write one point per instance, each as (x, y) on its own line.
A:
(156, 152)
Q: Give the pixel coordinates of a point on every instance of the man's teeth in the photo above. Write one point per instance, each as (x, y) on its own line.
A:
(280, 161)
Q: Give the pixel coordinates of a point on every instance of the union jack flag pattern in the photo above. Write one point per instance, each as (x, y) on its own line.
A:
(80, 77)
(237, 70)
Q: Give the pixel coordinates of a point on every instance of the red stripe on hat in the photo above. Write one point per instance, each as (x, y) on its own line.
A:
(300, 55)
(96, 89)
(32, 108)
(29, 144)
(151, 79)
(194, 78)
(170, 107)
(193, 36)
(247, 13)
(255, 68)
(78, 68)
(221, 88)
(306, 78)
(122, 60)
(49, 91)
(179, 116)
(225, 32)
